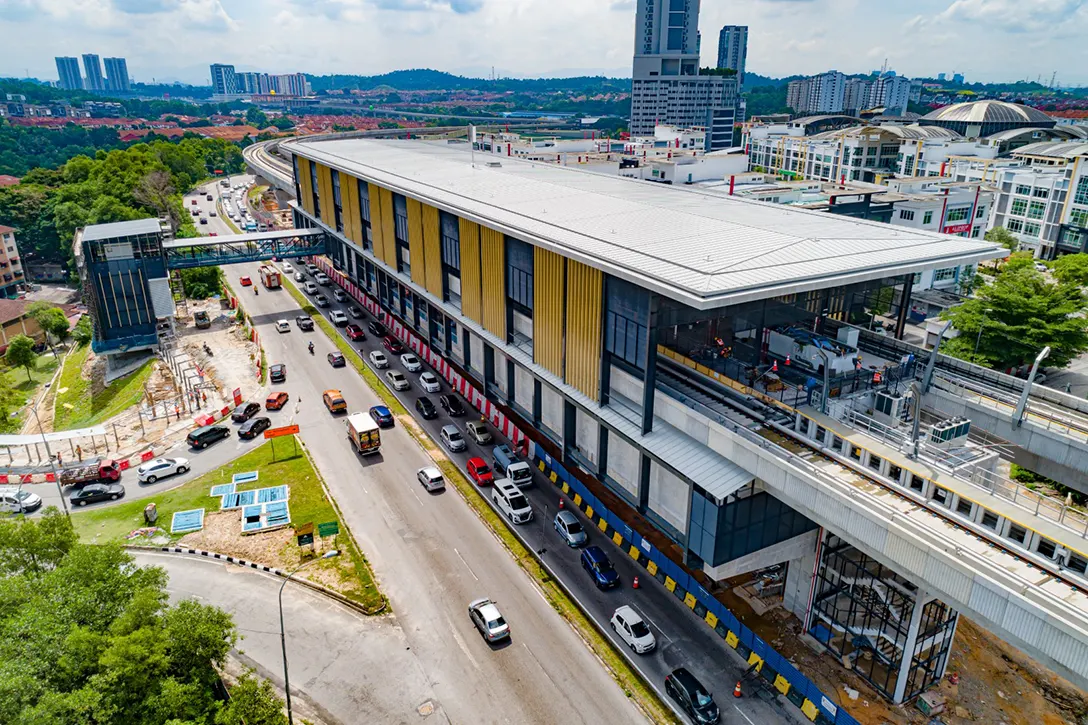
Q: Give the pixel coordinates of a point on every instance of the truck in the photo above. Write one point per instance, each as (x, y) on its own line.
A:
(202, 319)
(364, 434)
(509, 465)
(270, 276)
(801, 347)
(251, 226)
(105, 471)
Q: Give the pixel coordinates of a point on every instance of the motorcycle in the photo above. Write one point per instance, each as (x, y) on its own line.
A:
(208, 350)
(311, 348)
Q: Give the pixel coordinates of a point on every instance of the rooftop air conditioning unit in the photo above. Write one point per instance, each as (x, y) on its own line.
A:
(951, 433)
(888, 407)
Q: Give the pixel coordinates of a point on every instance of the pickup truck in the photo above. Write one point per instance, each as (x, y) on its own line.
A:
(105, 471)
(509, 466)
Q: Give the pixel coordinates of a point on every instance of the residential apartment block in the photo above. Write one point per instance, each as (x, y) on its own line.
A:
(11, 267)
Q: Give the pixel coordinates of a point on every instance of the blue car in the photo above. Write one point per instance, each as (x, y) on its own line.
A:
(596, 562)
(382, 416)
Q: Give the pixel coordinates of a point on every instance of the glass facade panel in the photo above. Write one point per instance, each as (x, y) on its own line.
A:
(626, 324)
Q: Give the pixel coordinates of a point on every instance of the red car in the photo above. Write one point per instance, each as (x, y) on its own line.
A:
(245, 281)
(355, 332)
(479, 471)
(393, 345)
(213, 234)
(276, 401)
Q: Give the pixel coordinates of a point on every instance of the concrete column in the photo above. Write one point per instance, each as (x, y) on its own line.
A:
(799, 580)
(921, 599)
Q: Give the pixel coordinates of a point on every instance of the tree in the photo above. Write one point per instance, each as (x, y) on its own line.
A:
(50, 318)
(256, 117)
(21, 353)
(283, 123)
(84, 331)
(1071, 269)
(1002, 236)
(252, 702)
(156, 191)
(1014, 317)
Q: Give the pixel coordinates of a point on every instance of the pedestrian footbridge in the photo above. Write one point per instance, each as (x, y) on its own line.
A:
(251, 247)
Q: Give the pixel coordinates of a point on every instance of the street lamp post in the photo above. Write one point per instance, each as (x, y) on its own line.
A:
(1022, 404)
(978, 339)
(49, 455)
(283, 636)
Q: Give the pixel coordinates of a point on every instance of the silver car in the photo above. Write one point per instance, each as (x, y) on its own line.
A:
(489, 620)
(431, 478)
(570, 529)
(452, 438)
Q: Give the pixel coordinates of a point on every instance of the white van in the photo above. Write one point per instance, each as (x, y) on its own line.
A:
(511, 501)
(15, 500)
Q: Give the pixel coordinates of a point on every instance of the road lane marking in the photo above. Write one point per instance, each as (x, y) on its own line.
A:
(743, 715)
(418, 498)
(455, 551)
(461, 643)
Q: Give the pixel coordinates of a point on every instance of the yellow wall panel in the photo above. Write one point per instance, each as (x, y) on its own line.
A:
(389, 239)
(324, 192)
(376, 230)
(470, 269)
(305, 188)
(349, 190)
(493, 281)
(432, 250)
(584, 298)
(415, 243)
(549, 296)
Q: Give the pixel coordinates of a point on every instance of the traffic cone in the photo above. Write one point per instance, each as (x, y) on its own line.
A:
(560, 503)
(634, 583)
(736, 690)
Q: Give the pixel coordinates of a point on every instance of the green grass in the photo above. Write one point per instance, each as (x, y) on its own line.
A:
(15, 379)
(307, 500)
(90, 409)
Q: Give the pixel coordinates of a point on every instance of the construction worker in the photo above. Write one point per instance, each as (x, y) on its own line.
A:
(79, 453)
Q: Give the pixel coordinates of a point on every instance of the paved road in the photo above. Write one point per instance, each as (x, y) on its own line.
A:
(433, 556)
(341, 663)
(684, 640)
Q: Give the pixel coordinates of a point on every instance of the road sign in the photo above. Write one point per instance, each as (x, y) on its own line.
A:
(306, 540)
(305, 534)
(329, 528)
(237, 396)
(287, 430)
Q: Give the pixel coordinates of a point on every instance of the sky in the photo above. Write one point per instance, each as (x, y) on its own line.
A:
(168, 40)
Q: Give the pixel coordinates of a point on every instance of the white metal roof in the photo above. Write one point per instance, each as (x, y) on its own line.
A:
(690, 245)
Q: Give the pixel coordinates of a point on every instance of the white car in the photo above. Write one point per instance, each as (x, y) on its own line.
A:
(378, 359)
(631, 628)
(410, 362)
(338, 318)
(322, 279)
(283, 326)
(487, 618)
(397, 380)
(431, 478)
(158, 468)
(429, 382)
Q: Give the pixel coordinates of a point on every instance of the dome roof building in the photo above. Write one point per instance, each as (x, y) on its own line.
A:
(982, 118)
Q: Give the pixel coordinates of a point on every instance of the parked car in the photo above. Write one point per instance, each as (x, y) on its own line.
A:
(393, 345)
(283, 326)
(431, 478)
(486, 617)
(451, 405)
(570, 529)
(305, 323)
(158, 468)
(277, 373)
(245, 281)
(452, 438)
(410, 362)
(355, 333)
(245, 411)
(206, 435)
(479, 471)
(94, 492)
(355, 312)
(276, 401)
(429, 382)
(321, 301)
(691, 696)
(378, 359)
(382, 416)
(377, 329)
(631, 628)
(426, 408)
(336, 359)
(338, 318)
(339, 295)
(397, 380)
(597, 563)
(202, 320)
(478, 432)
(254, 427)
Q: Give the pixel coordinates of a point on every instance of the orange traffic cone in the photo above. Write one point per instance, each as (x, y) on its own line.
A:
(634, 583)
(736, 690)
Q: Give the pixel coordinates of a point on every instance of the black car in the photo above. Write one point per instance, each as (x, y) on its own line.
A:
(693, 698)
(205, 436)
(451, 405)
(305, 323)
(336, 359)
(382, 416)
(377, 329)
(245, 411)
(278, 373)
(94, 492)
(426, 408)
(254, 427)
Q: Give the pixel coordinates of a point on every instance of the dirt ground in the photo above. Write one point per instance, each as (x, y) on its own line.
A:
(233, 363)
(998, 685)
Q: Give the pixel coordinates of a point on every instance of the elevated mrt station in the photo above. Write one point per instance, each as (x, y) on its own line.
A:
(695, 359)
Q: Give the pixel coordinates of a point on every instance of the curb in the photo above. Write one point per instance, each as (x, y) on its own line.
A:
(317, 588)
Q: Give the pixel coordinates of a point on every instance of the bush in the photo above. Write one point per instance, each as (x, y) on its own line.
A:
(83, 331)
(200, 283)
